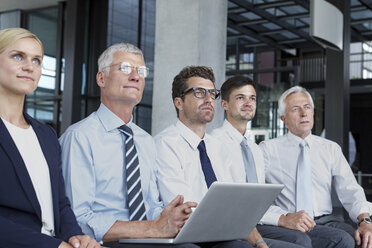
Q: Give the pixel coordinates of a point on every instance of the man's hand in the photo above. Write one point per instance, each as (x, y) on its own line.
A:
(297, 221)
(262, 245)
(83, 241)
(64, 245)
(167, 225)
(173, 217)
(255, 238)
(363, 235)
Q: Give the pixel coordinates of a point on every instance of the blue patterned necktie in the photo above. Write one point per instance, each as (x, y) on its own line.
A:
(136, 205)
(250, 167)
(209, 175)
(304, 195)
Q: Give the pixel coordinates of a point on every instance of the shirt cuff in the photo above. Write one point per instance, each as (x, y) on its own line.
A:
(100, 225)
(359, 208)
(153, 213)
(272, 217)
(367, 208)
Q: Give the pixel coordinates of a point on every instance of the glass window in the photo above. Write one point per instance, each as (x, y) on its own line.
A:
(42, 103)
(133, 21)
(122, 23)
(10, 19)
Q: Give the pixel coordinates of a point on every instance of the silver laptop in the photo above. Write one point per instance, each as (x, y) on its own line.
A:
(229, 211)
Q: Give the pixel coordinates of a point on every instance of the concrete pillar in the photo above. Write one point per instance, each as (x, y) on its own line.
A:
(188, 32)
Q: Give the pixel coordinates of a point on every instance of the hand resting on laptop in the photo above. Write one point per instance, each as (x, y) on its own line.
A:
(173, 217)
(167, 225)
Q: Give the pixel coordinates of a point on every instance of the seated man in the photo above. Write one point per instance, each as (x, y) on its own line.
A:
(309, 166)
(239, 102)
(109, 162)
(189, 159)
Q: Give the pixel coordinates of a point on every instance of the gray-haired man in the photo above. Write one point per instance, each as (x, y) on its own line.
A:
(109, 162)
(309, 166)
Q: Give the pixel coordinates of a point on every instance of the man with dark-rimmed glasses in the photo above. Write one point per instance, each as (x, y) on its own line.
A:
(109, 162)
(189, 160)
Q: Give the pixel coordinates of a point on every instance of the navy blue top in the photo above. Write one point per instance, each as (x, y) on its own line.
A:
(20, 213)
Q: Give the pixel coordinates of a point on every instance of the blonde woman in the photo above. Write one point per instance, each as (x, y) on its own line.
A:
(34, 210)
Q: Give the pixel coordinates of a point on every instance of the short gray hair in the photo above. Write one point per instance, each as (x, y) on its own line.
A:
(295, 89)
(105, 59)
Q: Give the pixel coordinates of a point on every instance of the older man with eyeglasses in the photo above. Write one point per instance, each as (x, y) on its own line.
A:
(109, 162)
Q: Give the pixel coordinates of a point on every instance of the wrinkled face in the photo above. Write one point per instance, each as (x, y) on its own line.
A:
(20, 67)
(116, 86)
(241, 105)
(299, 114)
(193, 109)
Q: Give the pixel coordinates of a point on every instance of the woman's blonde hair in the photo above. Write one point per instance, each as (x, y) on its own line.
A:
(10, 35)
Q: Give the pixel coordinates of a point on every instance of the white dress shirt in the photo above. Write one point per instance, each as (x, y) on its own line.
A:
(29, 147)
(231, 138)
(180, 171)
(329, 167)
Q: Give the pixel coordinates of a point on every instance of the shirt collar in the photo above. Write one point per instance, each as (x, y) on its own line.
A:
(109, 120)
(233, 132)
(190, 137)
(297, 140)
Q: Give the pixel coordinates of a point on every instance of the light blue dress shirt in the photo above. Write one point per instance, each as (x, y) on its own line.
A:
(94, 171)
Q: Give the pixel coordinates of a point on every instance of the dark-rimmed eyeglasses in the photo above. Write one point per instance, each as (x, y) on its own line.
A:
(202, 92)
(127, 68)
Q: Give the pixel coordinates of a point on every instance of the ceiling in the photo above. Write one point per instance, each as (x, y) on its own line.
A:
(284, 24)
(261, 24)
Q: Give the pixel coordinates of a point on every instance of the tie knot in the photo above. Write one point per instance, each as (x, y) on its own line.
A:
(201, 146)
(244, 142)
(126, 130)
(303, 143)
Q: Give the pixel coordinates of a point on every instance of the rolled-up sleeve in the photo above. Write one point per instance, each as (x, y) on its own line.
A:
(80, 183)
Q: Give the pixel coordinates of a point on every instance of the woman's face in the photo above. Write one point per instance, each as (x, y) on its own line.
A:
(20, 67)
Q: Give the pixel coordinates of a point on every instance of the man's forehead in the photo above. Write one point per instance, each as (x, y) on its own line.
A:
(297, 97)
(244, 90)
(121, 56)
(199, 81)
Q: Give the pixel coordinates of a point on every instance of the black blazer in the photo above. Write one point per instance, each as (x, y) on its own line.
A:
(20, 213)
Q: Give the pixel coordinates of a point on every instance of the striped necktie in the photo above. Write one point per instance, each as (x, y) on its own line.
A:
(136, 205)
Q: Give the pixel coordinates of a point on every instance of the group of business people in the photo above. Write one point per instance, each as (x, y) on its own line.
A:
(119, 182)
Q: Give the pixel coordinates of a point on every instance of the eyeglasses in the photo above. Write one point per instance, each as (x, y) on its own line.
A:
(201, 92)
(127, 68)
